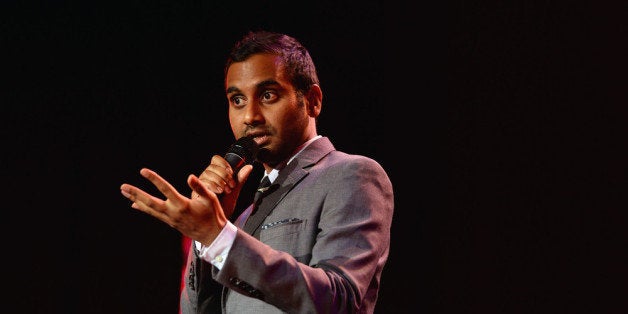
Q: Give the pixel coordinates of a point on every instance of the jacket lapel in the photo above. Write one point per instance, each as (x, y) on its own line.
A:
(288, 177)
(278, 190)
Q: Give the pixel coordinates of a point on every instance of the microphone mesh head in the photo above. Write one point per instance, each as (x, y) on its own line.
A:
(245, 147)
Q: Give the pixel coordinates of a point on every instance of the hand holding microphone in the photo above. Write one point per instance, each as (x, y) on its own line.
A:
(240, 153)
(223, 175)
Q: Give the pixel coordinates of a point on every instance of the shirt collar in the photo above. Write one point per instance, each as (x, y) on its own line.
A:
(275, 172)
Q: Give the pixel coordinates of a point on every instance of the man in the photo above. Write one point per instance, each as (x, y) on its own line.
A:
(318, 240)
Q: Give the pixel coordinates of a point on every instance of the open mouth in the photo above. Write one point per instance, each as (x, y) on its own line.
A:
(260, 139)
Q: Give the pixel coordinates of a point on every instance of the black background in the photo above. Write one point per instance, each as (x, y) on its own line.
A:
(501, 127)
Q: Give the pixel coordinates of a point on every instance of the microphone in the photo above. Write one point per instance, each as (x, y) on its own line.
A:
(241, 152)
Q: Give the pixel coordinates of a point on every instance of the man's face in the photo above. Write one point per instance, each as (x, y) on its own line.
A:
(263, 103)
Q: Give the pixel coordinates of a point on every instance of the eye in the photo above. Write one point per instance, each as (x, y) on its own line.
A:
(237, 101)
(269, 96)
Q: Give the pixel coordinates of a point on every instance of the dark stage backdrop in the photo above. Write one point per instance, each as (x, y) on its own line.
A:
(95, 90)
(502, 126)
(535, 218)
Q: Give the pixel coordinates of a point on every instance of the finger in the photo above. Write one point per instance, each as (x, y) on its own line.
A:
(218, 175)
(229, 200)
(136, 194)
(213, 180)
(223, 167)
(145, 202)
(159, 212)
(199, 188)
(220, 161)
(220, 166)
(161, 184)
(244, 173)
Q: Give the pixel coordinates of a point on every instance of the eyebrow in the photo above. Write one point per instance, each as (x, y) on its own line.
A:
(260, 85)
(232, 89)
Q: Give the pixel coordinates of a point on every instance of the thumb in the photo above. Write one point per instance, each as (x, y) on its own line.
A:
(244, 174)
(228, 200)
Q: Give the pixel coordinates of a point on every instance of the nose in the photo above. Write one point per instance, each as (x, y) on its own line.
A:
(253, 114)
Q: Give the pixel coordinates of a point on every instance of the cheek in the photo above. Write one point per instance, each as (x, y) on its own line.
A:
(234, 123)
(295, 119)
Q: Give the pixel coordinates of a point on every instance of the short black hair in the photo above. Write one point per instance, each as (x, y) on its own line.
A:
(298, 63)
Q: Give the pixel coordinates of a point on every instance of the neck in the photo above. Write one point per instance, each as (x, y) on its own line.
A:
(268, 167)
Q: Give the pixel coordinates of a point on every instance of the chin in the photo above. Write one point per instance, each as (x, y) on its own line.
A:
(263, 155)
(267, 157)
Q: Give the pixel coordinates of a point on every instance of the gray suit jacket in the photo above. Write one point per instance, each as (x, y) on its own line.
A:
(316, 244)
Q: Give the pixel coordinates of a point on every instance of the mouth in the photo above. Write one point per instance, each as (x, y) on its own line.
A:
(260, 138)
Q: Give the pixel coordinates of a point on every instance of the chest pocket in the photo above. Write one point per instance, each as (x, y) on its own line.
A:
(285, 235)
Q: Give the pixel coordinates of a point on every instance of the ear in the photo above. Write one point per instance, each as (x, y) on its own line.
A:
(314, 100)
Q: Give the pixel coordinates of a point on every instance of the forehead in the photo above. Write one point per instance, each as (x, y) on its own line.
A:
(257, 68)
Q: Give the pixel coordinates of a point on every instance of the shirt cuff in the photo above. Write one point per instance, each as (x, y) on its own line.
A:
(216, 253)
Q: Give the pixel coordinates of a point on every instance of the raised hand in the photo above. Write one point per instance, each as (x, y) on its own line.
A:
(200, 218)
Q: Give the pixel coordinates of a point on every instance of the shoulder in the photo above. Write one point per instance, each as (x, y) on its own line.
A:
(338, 163)
(358, 167)
(341, 158)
